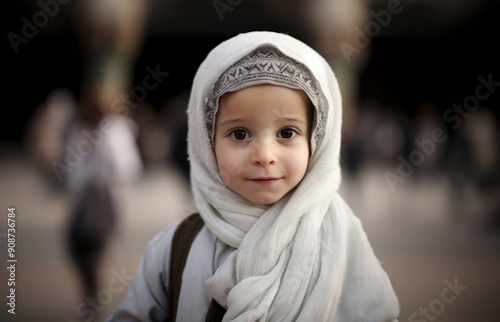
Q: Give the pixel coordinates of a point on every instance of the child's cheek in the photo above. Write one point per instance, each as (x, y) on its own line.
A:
(230, 168)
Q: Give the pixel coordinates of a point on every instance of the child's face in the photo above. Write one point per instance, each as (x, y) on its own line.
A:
(262, 141)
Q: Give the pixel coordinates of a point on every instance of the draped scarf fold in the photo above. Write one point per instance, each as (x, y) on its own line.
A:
(306, 257)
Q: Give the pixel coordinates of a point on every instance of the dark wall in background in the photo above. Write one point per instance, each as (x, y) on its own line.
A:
(444, 69)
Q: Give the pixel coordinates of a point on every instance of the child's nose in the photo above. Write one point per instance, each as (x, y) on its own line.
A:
(264, 153)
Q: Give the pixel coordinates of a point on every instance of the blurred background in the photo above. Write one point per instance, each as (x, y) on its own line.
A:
(92, 140)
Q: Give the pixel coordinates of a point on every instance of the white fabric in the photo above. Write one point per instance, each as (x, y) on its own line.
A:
(306, 257)
(147, 297)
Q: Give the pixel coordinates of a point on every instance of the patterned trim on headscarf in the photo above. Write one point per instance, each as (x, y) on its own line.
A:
(267, 65)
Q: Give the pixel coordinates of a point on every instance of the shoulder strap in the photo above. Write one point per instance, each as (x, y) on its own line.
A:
(215, 312)
(181, 243)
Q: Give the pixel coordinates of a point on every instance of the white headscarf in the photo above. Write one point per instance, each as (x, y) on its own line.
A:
(306, 257)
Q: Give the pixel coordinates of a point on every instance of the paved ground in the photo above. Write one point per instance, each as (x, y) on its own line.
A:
(423, 250)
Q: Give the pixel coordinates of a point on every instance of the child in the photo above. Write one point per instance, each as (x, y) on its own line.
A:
(279, 243)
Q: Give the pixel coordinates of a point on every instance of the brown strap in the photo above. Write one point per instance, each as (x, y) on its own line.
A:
(215, 312)
(181, 243)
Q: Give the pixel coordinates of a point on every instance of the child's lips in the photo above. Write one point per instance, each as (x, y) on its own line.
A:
(264, 180)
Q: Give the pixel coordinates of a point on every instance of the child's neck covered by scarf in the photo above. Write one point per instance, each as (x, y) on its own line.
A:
(305, 257)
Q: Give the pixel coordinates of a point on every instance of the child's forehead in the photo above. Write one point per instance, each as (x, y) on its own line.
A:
(261, 91)
(272, 100)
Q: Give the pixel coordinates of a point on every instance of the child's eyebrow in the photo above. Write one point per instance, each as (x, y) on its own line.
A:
(233, 120)
(294, 119)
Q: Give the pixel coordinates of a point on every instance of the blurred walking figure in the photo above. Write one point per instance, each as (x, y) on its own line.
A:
(47, 131)
(475, 174)
(88, 144)
(110, 34)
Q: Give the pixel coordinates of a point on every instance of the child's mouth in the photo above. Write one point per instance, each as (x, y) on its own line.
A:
(264, 181)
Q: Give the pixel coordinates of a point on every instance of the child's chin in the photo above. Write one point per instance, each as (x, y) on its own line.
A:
(264, 200)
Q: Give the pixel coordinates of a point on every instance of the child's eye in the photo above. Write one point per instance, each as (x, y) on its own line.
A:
(239, 135)
(287, 133)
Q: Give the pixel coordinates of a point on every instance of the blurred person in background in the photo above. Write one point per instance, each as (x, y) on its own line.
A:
(427, 120)
(92, 137)
(111, 35)
(474, 159)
